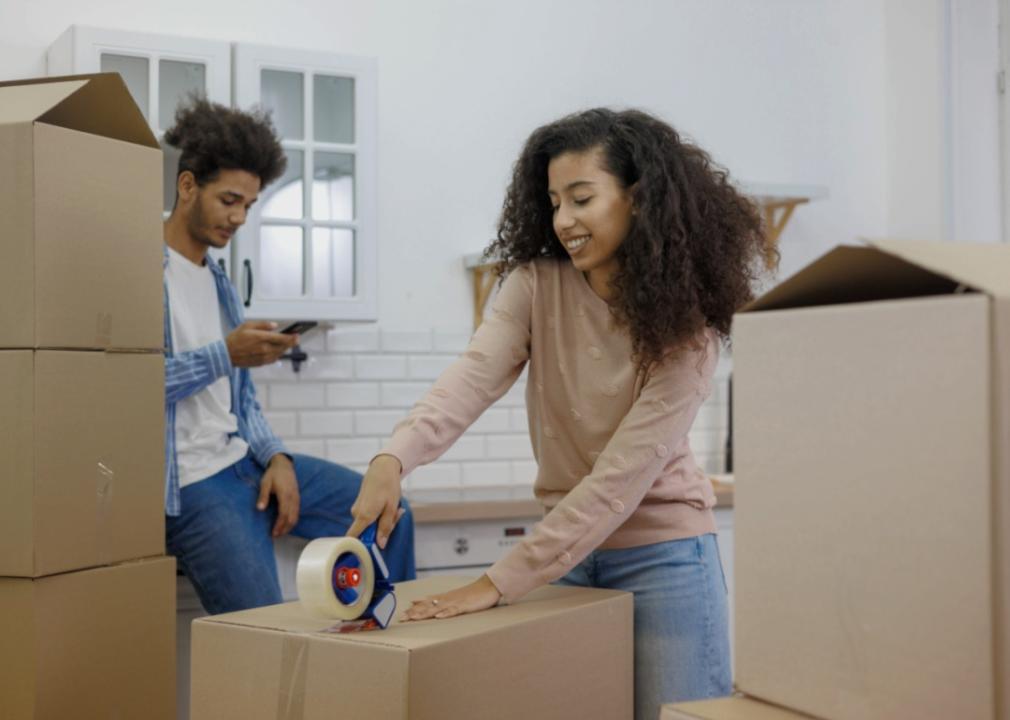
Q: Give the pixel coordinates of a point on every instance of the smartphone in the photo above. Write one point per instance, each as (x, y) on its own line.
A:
(299, 327)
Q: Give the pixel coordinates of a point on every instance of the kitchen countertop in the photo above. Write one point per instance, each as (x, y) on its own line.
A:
(470, 510)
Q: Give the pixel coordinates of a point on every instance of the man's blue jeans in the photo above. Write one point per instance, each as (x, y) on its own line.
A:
(223, 543)
(681, 617)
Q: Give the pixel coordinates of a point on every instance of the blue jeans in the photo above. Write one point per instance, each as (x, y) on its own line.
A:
(681, 617)
(223, 543)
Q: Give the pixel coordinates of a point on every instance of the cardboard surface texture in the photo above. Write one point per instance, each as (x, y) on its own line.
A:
(82, 435)
(98, 643)
(731, 708)
(80, 194)
(871, 400)
(560, 653)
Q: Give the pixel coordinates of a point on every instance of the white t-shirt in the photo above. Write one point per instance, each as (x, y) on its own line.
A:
(203, 421)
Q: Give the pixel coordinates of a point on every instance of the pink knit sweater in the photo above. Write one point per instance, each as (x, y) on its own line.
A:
(615, 466)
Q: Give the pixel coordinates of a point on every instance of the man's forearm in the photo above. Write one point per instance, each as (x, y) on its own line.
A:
(187, 373)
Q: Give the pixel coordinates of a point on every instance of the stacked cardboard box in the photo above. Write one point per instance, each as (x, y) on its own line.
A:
(729, 708)
(872, 417)
(562, 653)
(86, 594)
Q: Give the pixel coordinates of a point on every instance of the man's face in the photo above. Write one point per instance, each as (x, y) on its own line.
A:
(215, 211)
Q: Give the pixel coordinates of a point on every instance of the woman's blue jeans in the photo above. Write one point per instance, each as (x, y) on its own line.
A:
(223, 543)
(681, 617)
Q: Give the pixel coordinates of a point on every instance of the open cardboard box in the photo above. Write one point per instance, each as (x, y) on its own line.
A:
(872, 436)
(80, 198)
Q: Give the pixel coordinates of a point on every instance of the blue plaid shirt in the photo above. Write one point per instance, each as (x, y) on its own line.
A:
(187, 373)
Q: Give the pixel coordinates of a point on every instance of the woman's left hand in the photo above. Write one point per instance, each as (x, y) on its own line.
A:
(479, 595)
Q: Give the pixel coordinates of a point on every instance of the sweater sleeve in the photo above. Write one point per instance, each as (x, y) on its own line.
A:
(634, 457)
(491, 364)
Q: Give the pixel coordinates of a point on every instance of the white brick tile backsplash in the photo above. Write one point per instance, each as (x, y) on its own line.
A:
(313, 423)
(352, 395)
(314, 341)
(380, 367)
(436, 475)
(405, 341)
(524, 472)
(707, 441)
(493, 420)
(315, 448)
(489, 493)
(377, 422)
(283, 423)
(451, 342)
(509, 447)
(301, 395)
(328, 367)
(468, 447)
(711, 416)
(403, 395)
(280, 370)
(487, 473)
(435, 495)
(347, 451)
(515, 397)
(427, 367)
(519, 421)
(350, 339)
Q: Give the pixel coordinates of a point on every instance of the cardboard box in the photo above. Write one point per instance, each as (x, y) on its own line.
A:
(561, 653)
(730, 708)
(80, 198)
(871, 401)
(92, 644)
(83, 441)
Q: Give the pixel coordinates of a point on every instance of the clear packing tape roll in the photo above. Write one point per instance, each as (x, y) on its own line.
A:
(314, 577)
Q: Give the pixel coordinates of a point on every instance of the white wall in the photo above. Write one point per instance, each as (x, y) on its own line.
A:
(786, 91)
(943, 138)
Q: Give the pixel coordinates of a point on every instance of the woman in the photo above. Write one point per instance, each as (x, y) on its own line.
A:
(625, 253)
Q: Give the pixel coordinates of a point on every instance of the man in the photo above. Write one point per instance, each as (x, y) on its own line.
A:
(231, 487)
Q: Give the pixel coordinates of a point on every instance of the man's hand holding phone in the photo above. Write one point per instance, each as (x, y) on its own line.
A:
(257, 343)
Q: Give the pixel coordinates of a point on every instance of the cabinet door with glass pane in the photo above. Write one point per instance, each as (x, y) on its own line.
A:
(308, 249)
(160, 72)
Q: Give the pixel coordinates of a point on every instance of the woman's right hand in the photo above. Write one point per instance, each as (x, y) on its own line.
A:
(379, 498)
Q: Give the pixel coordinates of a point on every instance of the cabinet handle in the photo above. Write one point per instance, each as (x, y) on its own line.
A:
(247, 264)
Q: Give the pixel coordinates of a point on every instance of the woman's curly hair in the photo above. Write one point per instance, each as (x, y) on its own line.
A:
(213, 137)
(695, 247)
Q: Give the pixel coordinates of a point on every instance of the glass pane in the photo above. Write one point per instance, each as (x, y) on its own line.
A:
(282, 93)
(177, 80)
(332, 262)
(333, 108)
(171, 171)
(281, 269)
(285, 198)
(134, 71)
(333, 186)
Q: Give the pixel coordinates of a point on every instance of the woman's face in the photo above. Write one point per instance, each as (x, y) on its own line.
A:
(592, 211)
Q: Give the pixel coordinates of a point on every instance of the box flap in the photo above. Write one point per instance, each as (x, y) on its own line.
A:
(99, 104)
(982, 266)
(849, 274)
(892, 269)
